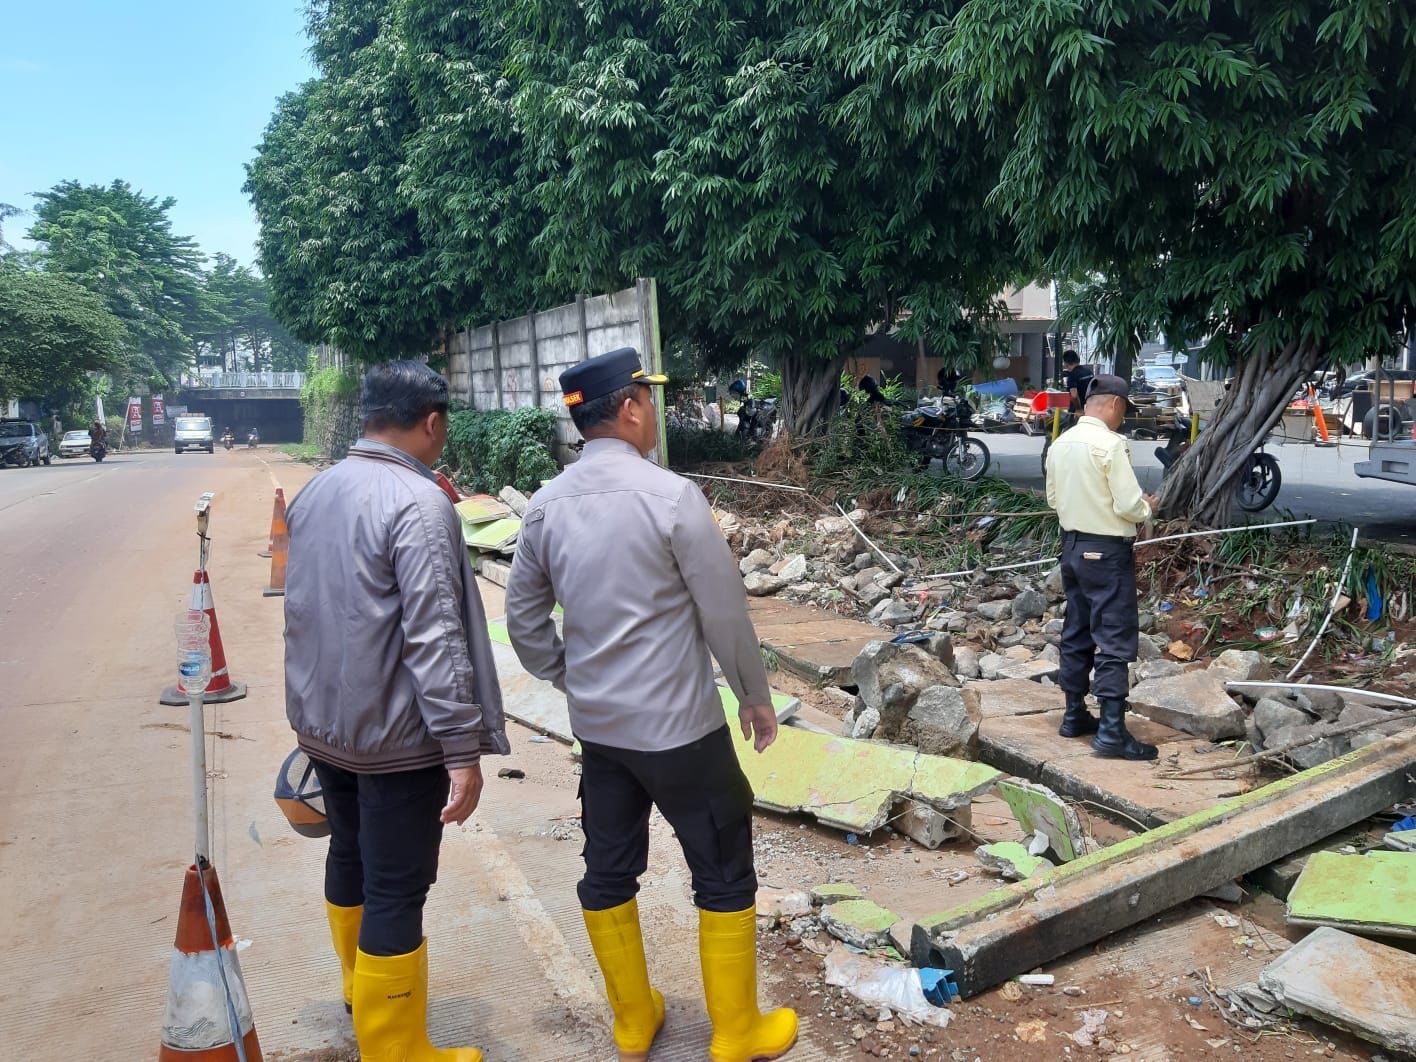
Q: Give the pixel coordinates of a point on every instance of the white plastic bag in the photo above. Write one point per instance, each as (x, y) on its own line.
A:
(883, 984)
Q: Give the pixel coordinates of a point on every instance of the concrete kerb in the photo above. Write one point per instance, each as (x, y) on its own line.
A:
(1020, 926)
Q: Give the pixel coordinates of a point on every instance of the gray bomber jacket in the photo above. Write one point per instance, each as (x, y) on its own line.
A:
(388, 665)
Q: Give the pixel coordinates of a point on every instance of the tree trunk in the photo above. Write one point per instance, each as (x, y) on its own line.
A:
(1126, 351)
(1203, 482)
(811, 388)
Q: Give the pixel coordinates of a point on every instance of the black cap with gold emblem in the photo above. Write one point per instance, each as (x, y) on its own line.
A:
(604, 375)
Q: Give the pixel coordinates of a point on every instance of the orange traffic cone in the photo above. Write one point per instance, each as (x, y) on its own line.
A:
(208, 1010)
(277, 513)
(279, 555)
(222, 689)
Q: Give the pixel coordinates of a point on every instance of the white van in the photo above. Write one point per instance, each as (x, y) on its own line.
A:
(193, 432)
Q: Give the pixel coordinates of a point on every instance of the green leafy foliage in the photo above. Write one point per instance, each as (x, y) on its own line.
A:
(52, 333)
(119, 244)
(1242, 172)
(689, 447)
(238, 324)
(329, 399)
(491, 449)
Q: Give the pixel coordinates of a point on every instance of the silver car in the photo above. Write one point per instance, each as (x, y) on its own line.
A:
(193, 433)
(21, 444)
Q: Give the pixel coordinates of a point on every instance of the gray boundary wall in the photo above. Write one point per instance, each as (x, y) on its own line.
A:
(517, 363)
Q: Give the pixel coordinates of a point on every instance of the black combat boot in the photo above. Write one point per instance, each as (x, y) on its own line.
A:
(1078, 722)
(1112, 739)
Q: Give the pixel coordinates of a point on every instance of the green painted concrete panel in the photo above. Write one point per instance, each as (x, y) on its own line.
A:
(494, 536)
(1376, 891)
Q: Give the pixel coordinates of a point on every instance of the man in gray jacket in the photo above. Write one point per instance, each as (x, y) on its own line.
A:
(649, 588)
(392, 691)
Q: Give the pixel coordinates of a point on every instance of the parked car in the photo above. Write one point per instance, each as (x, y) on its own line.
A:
(74, 444)
(21, 444)
(193, 433)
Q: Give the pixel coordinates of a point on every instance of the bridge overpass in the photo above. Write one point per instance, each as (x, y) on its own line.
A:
(266, 401)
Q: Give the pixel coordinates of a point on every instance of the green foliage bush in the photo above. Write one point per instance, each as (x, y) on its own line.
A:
(329, 398)
(490, 449)
(699, 446)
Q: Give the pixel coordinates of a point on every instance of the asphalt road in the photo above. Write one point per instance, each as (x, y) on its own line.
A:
(1316, 483)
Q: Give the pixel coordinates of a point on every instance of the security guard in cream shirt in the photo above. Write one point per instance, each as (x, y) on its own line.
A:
(1093, 488)
(650, 594)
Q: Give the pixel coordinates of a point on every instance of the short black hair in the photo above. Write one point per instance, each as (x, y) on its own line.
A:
(1069, 357)
(398, 394)
(599, 411)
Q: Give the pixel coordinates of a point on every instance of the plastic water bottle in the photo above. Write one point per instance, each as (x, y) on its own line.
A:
(193, 631)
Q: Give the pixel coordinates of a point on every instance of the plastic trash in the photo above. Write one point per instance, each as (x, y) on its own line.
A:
(881, 984)
(939, 987)
(1408, 823)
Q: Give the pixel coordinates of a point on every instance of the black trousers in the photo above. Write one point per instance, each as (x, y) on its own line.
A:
(1100, 632)
(701, 791)
(383, 850)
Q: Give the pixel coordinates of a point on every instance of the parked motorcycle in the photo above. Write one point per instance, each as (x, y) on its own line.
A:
(1262, 479)
(939, 428)
(757, 417)
(98, 451)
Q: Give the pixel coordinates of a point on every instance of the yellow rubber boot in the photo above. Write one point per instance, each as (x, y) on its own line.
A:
(344, 932)
(391, 1010)
(727, 947)
(619, 949)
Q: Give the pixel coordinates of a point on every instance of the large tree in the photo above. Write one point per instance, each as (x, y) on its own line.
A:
(119, 244)
(239, 329)
(762, 161)
(1251, 160)
(52, 332)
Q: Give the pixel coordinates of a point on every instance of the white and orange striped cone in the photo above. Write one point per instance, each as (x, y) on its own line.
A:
(276, 514)
(222, 689)
(208, 1012)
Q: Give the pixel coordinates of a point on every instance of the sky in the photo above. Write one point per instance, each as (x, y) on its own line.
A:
(170, 95)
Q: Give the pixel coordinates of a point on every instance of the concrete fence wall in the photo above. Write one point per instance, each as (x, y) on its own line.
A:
(515, 364)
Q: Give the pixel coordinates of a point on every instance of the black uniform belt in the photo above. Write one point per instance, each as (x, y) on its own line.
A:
(1084, 536)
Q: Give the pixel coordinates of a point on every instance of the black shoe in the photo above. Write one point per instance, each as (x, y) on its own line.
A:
(1113, 740)
(1078, 722)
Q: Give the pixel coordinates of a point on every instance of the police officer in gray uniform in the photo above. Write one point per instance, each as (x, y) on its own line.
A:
(1093, 488)
(649, 589)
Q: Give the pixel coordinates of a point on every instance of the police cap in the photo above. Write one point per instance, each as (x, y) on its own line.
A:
(604, 375)
(1106, 384)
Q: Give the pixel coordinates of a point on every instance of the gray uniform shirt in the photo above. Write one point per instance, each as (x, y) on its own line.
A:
(648, 586)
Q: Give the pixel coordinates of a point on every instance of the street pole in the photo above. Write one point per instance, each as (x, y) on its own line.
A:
(201, 819)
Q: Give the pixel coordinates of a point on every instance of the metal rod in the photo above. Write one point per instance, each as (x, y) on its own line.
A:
(749, 482)
(1224, 531)
(199, 778)
(1147, 542)
(866, 539)
(1347, 690)
(1332, 607)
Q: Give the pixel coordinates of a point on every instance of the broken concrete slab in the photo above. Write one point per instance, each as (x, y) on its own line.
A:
(928, 826)
(1031, 670)
(1004, 698)
(834, 892)
(494, 570)
(1272, 715)
(817, 645)
(854, 785)
(1032, 922)
(1039, 810)
(1310, 755)
(782, 903)
(1195, 702)
(761, 583)
(1012, 860)
(859, 923)
(515, 499)
(759, 560)
(1366, 988)
(480, 509)
(499, 536)
(1372, 894)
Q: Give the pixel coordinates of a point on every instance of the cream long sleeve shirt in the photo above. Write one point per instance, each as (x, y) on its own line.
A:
(1091, 484)
(649, 587)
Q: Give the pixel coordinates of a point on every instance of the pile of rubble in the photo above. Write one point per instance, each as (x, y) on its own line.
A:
(988, 627)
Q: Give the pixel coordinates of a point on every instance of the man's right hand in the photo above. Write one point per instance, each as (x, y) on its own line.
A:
(464, 795)
(1152, 501)
(759, 721)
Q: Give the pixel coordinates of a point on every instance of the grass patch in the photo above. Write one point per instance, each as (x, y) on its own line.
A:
(301, 451)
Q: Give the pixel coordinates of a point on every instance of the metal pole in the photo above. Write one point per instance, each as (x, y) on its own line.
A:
(199, 779)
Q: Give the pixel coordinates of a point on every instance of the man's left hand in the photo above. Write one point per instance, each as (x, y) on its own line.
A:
(759, 721)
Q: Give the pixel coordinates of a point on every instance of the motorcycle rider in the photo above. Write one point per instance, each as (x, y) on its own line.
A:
(228, 437)
(98, 435)
(253, 437)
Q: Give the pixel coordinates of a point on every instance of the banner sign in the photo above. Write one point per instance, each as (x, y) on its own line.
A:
(135, 415)
(158, 411)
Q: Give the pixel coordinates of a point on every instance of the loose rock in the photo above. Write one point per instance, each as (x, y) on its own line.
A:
(1195, 702)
